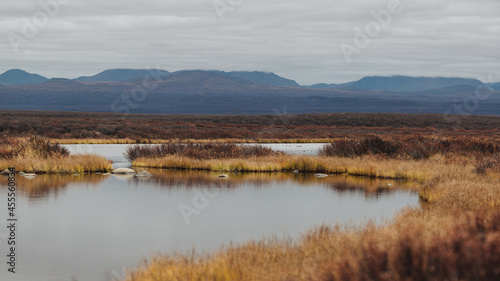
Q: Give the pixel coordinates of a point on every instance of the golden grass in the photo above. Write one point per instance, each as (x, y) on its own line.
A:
(93, 141)
(85, 163)
(418, 245)
(454, 236)
(364, 166)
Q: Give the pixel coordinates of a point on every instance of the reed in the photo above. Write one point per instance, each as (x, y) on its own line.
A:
(369, 166)
(411, 147)
(37, 154)
(34, 146)
(69, 164)
(418, 245)
(198, 151)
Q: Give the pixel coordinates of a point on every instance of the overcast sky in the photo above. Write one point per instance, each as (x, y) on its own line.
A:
(297, 39)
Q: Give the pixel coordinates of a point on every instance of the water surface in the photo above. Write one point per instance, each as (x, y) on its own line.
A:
(89, 227)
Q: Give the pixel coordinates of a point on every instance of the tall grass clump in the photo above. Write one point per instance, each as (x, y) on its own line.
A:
(198, 151)
(34, 146)
(38, 154)
(411, 147)
(417, 246)
(353, 147)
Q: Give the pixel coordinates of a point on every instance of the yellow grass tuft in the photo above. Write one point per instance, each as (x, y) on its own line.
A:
(69, 164)
(364, 166)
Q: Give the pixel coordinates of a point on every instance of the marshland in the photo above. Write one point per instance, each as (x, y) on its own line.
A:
(433, 198)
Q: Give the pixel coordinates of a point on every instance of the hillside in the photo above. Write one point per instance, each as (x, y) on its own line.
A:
(266, 78)
(122, 75)
(216, 92)
(411, 84)
(20, 77)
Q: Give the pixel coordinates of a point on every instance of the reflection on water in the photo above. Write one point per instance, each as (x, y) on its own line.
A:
(370, 187)
(44, 185)
(88, 227)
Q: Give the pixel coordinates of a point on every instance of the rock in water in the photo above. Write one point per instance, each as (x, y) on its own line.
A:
(5, 172)
(29, 176)
(143, 174)
(321, 175)
(123, 171)
(223, 176)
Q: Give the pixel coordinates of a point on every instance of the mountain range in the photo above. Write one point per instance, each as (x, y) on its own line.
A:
(242, 92)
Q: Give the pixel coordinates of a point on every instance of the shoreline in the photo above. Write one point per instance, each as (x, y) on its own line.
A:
(60, 165)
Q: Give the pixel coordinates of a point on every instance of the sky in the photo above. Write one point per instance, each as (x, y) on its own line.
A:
(314, 41)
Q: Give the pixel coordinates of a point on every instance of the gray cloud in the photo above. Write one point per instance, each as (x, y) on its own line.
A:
(297, 39)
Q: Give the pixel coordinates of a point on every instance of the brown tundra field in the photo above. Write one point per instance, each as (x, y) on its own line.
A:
(454, 162)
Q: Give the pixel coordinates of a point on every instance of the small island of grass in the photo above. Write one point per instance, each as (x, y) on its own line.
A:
(37, 154)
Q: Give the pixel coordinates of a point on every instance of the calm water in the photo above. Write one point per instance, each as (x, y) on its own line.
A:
(90, 227)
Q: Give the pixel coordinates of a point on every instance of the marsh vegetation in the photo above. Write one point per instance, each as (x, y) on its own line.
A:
(454, 236)
(36, 154)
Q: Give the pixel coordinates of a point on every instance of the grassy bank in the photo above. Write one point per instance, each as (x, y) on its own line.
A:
(367, 166)
(39, 155)
(454, 236)
(67, 164)
(419, 245)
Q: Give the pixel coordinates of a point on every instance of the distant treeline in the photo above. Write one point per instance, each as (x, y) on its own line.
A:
(143, 127)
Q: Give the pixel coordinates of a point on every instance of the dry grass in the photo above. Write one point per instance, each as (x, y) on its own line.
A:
(68, 164)
(412, 147)
(37, 154)
(198, 151)
(454, 236)
(370, 166)
(419, 245)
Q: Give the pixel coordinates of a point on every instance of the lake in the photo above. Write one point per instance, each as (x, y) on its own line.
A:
(90, 227)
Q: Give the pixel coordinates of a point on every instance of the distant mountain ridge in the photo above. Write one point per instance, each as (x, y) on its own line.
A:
(411, 84)
(495, 86)
(216, 92)
(330, 86)
(20, 77)
(403, 84)
(122, 75)
(266, 78)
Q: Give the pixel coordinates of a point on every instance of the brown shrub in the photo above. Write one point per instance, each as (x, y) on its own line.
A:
(34, 146)
(198, 151)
